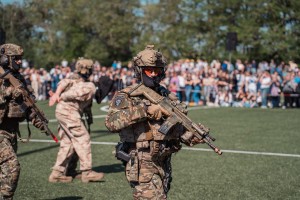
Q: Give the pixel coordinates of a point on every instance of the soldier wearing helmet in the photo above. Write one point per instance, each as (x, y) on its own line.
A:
(145, 151)
(150, 66)
(12, 112)
(73, 96)
(11, 56)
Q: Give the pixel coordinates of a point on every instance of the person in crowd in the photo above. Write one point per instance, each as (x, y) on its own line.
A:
(265, 83)
(196, 95)
(227, 77)
(275, 90)
(188, 88)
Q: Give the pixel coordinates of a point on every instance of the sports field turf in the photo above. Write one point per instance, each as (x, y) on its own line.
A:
(240, 173)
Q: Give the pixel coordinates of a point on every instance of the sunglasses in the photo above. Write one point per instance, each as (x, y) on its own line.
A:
(152, 71)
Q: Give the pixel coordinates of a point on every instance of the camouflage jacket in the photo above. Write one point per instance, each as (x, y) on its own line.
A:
(128, 116)
(76, 98)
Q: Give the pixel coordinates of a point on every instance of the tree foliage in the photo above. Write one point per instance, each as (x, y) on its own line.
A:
(51, 30)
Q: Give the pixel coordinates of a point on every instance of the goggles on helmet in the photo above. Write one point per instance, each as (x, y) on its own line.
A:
(152, 71)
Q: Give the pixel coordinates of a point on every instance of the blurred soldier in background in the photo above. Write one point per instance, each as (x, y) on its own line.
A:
(12, 111)
(143, 149)
(74, 96)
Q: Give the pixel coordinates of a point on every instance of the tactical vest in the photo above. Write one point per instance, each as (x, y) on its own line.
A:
(11, 102)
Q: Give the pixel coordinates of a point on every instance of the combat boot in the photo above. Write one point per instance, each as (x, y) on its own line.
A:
(89, 176)
(57, 176)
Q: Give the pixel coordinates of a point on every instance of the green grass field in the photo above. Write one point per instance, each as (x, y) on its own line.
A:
(196, 174)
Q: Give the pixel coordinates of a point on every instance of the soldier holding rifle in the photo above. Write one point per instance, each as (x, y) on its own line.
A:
(152, 125)
(17, 103)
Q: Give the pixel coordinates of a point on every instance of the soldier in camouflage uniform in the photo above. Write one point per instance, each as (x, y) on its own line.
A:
(148, 168)
(11, 113)
(73, 96)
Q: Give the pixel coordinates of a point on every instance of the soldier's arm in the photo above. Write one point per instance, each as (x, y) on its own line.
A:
(189, 139)
(79, 92)
(35, 120)
(62, 85)
(123, 113)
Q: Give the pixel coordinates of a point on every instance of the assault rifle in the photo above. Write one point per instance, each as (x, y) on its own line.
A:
(29, 101)
(176, 116)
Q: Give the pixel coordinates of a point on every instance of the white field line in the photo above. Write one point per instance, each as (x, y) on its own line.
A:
(197, 149)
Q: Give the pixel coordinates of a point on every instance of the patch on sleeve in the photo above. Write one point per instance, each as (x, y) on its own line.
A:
(119, 101)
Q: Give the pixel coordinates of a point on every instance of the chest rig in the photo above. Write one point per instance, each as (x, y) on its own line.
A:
(11, 102)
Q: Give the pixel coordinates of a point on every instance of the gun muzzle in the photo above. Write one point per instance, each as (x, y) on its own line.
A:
(218, 151)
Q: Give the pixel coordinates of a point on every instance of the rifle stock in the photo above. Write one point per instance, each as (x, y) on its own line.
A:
(176, 116)
(28, 100)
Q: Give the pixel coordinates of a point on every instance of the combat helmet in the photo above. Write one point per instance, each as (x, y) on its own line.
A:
(149, 58)
(84, 67)
(8, 54)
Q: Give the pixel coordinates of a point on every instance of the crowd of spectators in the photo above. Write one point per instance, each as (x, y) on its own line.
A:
(197, 82)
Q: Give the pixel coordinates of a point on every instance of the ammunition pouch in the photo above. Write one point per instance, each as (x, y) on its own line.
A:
(132, 167)
(161, 149)
(16, 110)
(10, 136)
(154, 147)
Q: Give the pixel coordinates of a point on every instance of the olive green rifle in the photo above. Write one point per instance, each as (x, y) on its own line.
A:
(176, 116)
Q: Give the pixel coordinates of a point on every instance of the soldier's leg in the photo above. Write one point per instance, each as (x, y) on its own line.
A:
(65, 151)
(150, 185)
(64, 154)
(153, 190)
(10, 170)
(82, 145)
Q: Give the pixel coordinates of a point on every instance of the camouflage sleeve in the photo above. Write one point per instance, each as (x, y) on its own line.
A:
(81, 92)
(64, 83)
(35, 120)
(122, 113)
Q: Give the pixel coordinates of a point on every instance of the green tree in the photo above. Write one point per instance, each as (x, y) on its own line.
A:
(72, 29)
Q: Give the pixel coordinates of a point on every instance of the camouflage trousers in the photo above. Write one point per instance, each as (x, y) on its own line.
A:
(73, 138)
(153, 190)
(145, 176)
(10, 168)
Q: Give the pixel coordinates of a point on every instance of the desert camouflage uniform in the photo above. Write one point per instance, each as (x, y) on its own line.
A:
(149, 168)
(72, 131)
(11, 113)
